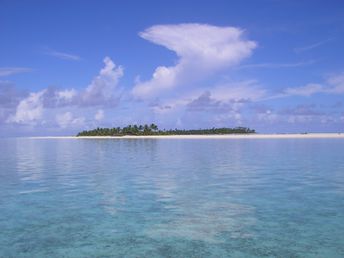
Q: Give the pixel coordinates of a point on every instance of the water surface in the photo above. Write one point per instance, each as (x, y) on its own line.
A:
(172, 198)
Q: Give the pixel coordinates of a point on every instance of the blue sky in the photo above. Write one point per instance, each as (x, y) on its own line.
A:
(271, 65)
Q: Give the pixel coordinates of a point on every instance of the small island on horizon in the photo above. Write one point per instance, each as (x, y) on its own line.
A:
(152, 129)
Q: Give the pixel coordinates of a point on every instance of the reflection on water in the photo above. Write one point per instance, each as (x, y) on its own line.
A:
(180, 198)
(205, 221)
(29, 161)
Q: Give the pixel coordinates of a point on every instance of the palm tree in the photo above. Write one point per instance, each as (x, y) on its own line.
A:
(153, 130)
(135, 130)
(153, 127)
(146, 129)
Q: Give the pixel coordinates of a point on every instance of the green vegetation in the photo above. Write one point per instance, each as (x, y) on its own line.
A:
(154, 130)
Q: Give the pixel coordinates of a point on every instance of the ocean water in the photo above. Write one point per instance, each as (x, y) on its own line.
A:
(171, 198)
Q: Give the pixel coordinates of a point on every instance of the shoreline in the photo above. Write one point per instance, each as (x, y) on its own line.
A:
(212, 136)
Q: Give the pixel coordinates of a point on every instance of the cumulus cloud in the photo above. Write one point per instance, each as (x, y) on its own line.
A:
(54, 98)
(102, 88)
(9, 95)
(67, 94)
(29, 110)
(264, 113)
(68, 120)
(222, 99)
(205, 102)
(333, 85)
(202, 50)
(226, 101)
(100, 92)
(241, 91)
(302, 110)
(302, 114)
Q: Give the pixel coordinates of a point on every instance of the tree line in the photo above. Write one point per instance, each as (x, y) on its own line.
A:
(154, 130)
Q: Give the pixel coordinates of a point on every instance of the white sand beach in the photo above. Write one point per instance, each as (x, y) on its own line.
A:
(227, 136)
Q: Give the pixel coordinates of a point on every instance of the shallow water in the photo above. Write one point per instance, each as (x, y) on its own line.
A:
(172, 198)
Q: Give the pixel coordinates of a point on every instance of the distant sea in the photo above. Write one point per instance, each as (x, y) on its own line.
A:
(171, 197)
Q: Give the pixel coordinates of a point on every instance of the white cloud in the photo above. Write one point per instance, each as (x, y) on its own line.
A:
(311, 46)
(221, 105)
(246, 90)
(63, 56)
(306, 90)
(6, 71)
(267, 116)
(300, 114)
(66, 95)
(232, 117)
(102, 88)
(224, 97)
(202, 50)
(102, 91)
(333, 85)
(337, 83)
(99, 115)
(276, 65)
(29, 110)
(68, 120)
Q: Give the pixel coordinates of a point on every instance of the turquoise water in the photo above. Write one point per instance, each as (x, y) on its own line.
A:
(172, 198)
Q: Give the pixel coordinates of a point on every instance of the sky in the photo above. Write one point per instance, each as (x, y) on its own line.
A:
(271, 65)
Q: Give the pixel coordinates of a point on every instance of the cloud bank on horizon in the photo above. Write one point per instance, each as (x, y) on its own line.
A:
(198, 90)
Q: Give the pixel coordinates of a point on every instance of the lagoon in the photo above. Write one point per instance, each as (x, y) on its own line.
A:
(155, 197)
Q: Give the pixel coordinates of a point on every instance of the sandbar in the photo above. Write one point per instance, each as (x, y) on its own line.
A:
(217, 136)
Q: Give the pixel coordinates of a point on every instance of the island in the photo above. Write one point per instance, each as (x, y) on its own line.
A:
(143, 130)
